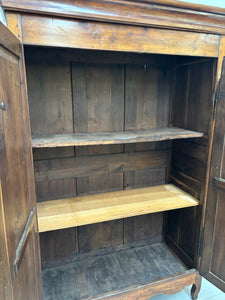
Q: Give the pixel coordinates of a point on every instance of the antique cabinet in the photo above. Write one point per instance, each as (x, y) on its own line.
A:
(112, 149)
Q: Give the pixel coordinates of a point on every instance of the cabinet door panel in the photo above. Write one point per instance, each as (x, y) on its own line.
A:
(213, 255)
(16, 175)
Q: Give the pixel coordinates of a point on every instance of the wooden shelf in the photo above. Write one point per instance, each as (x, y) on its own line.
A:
(127, 274)
(83, 210)
(121, 137)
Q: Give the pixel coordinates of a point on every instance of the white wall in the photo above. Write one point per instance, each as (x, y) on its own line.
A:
(218, 3)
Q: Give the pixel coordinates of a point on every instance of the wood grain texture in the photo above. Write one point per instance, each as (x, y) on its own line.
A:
(103, 36)
(194, 111)
(98, 165)
(16, 164)
(6, 289)
(127, 273)
(9, 41)
(98, 97)
(50, 98)
(143, 228)
(122, 137)
(100, 236)
(144, 85)
(90, 209)
(169, 14)
(58, 244)
(14, 25)
(212, 260)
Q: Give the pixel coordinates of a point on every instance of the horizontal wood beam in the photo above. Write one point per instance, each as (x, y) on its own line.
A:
(55, 32)
(164, 13)
(98, 165)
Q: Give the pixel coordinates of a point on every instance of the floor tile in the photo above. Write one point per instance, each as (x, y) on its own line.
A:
(217, 297)
(208, 290)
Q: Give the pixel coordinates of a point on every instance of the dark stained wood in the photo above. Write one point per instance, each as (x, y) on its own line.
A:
(50, 103)
(147, 227)
(98, 165)
(116, 94)
(79, 34)
(146, 177)
(194, 111)
(50, 98)
(100, 236)
(49, 153)
(178, 282)
(175, 14)
(220, 183)
(98, 105)
(38, 54)
(18, 192)
(58, 244)
(212, 260)
(83, 139)
(186, 182)
(55, 189)
(188, 163)
(101, 251)
(126, 270)
(99, 184)
(98, 96)
(143, 86)
(6, 289)
(199, 102)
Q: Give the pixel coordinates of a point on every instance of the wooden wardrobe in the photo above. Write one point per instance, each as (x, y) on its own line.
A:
(112, 149)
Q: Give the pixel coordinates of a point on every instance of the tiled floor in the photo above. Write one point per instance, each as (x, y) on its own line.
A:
(208, 291)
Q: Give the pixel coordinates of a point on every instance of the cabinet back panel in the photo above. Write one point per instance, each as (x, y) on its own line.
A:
(69, 92)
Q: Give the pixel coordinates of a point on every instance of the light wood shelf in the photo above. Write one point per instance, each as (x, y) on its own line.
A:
(106, 138)
(83, 210)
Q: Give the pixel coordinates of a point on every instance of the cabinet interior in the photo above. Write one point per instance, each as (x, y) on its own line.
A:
(88, 92)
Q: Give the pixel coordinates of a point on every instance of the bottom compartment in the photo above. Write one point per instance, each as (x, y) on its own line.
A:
(136, 273)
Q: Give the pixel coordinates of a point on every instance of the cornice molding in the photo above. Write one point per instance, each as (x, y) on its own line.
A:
(150, 13)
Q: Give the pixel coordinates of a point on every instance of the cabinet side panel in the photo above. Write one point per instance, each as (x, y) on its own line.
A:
(193, 97)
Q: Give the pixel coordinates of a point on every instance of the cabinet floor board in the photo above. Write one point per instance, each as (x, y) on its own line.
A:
(94, 276)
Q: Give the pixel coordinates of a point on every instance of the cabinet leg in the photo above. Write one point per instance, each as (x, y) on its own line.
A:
(196, 287)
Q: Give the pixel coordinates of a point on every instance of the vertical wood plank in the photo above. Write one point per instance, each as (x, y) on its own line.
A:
(6, 290)
(58, 244)
(98, 103)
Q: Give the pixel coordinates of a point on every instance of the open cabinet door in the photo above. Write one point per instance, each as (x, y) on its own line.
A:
(213, 248)
(20, 275)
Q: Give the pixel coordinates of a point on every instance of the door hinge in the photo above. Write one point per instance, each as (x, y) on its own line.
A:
(201, 242)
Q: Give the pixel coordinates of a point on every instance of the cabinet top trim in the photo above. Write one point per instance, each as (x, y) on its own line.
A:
(58, 32)
(163, 13)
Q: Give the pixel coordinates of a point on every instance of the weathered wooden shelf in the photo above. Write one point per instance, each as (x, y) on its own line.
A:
(127, 274)
(121, 137)
(83, 210)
